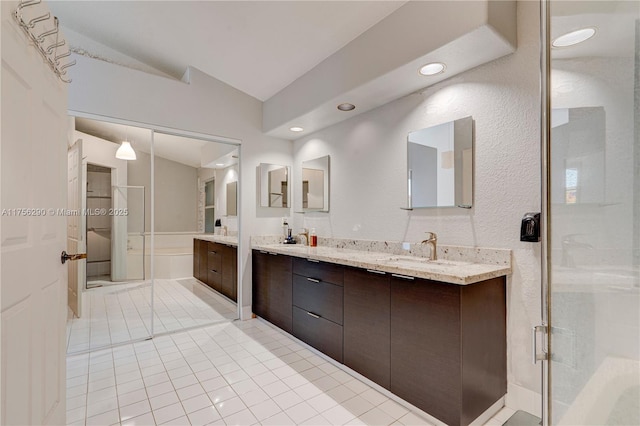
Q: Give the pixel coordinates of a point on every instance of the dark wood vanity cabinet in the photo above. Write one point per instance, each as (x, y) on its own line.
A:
(196, 258)
(318, 305)
(439, 346)
(272, 288)
(203, 255)
(448, 346)
(229, 284)
(215, 265)
(367, 334)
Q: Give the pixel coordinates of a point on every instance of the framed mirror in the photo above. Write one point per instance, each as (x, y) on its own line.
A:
(315, 184)
(274, 185)
(440, 165)
(232, 198)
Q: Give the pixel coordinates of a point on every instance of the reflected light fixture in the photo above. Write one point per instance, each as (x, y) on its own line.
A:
(432, 68)
(574, 37)
(125, 152)
(296, 129)
(346, 107)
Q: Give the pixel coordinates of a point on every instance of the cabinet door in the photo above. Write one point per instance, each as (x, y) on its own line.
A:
(260, 283)
(229, 272)
(203, 255)
(280, 291)
(196, 258)
(367, 336)
(425, 346)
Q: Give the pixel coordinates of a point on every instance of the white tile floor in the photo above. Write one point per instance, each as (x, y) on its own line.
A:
(234, 373)
(121, 313)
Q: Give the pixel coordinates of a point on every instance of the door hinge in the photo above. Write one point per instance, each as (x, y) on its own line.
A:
(535, 355)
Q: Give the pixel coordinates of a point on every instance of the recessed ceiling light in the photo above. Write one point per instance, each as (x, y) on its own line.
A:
(574, 37)
(219, 164)
(296, 129)
(432, 69)
(346, 107)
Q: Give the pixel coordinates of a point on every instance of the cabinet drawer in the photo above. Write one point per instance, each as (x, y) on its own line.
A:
(321, 298)
(214, 262)
(324, 335)
(322, 271)
(214, 280)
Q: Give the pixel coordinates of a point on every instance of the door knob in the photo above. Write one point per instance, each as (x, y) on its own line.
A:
(64, 256)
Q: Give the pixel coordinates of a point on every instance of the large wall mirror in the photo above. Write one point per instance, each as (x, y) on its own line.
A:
(315, 184)
(274, 185)
(173, 224)
(440, 165)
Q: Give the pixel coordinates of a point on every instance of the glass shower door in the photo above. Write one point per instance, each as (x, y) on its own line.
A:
(129, 233)
(594, 214)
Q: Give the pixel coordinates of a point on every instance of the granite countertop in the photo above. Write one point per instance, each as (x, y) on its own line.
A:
(224, 239)
(457, 271)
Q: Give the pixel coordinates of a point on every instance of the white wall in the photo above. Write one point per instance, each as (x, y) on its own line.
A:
(204, 105)
(368, 177)
(176, 192)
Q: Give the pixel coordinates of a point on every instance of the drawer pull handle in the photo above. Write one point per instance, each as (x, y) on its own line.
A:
(313, 260)
(212, 252)
(373, 271)
(404, 277)
(311, 314)
(313, 280)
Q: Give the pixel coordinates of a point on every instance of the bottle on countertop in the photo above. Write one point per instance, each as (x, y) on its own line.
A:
(313, 238)
(285, 229)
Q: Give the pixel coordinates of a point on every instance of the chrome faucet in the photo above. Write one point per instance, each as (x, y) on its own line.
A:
(432, 242)
(305, 232)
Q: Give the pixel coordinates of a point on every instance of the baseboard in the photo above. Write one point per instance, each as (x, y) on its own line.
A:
(520, 398)
(245, 313)
(488, 413)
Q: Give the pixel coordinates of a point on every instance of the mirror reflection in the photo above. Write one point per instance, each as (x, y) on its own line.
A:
(274, 185)
(315, 184)
(578, 144)
(232, 198)
(440, 165)
(190, 179)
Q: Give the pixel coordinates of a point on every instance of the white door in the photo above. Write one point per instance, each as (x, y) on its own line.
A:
(76, 242)
(33, 306)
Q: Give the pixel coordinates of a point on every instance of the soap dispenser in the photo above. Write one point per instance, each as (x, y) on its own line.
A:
(313, 238)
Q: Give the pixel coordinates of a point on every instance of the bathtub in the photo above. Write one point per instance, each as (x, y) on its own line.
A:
(609, 397)
(173, 256)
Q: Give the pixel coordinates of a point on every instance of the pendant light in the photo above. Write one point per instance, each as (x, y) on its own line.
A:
(125, 152)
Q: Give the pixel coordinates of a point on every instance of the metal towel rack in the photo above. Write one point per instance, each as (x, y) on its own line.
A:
(47, 40)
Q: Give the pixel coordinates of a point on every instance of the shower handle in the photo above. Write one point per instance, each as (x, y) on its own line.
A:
(64, 256)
